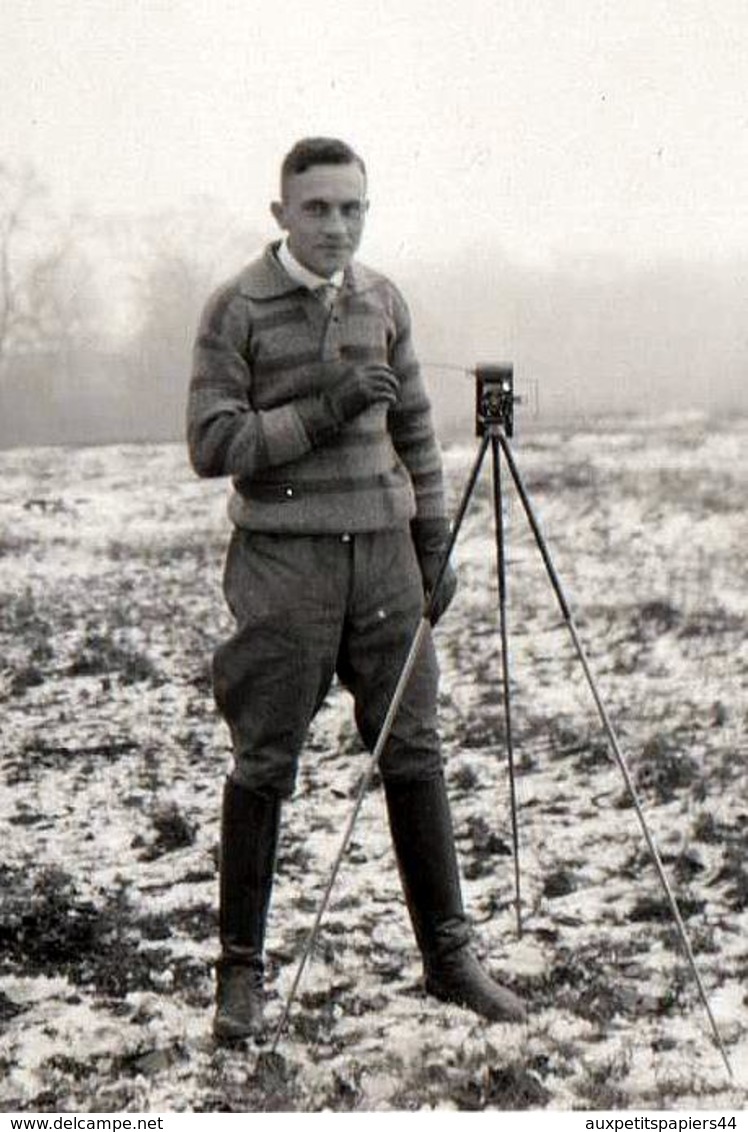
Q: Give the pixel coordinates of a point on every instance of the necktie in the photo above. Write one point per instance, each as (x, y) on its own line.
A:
(327, 294)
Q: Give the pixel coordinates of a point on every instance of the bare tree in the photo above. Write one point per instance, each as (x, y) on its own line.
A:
(22, 199)
(177, 259)
(46, 290)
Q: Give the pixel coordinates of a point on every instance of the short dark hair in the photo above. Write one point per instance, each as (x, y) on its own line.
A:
(318, 151)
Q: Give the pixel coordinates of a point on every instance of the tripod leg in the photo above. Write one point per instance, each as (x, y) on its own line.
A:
(501, 570)
(611, 735)
(364, 785)
(457, 524)
(382, 738)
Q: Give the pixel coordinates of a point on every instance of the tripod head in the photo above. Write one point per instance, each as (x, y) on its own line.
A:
(494, 398)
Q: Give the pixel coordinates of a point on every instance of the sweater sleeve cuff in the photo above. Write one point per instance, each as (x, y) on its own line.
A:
(285, 437)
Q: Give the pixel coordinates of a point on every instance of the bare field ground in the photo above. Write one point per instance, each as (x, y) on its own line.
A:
(112, 764)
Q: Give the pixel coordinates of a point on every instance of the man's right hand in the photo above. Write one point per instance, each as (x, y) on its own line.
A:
(357, 388)
(360, 387)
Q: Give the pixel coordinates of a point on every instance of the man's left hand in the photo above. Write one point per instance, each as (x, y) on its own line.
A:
(430, 538)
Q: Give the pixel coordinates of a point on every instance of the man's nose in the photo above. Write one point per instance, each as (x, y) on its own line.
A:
(335, 221)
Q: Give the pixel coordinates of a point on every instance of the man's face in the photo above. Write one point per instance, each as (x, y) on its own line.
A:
(323, 211)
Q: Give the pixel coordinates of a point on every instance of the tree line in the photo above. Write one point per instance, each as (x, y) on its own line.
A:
(98, 314)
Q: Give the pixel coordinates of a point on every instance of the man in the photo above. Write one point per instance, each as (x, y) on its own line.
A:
(306, 391)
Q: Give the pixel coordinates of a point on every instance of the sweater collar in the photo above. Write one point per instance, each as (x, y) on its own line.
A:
(266, 278)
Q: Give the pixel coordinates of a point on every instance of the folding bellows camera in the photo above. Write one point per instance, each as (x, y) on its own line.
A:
(494, 398)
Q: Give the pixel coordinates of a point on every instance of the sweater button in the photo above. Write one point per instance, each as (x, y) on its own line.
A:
(289, 492)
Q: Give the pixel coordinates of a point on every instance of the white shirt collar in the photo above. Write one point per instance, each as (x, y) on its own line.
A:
(303, 275)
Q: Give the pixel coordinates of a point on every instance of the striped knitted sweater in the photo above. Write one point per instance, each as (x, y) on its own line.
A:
(263, 343)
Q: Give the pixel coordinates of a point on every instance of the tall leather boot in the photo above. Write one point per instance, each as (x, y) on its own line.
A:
(423, 838)
(249, 838)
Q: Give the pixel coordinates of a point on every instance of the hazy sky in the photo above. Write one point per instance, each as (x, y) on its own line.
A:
(552, 126)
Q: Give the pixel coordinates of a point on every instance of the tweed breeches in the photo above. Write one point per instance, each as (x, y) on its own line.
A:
(308, 608)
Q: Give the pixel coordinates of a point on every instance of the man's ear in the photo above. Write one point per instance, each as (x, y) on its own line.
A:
(279, 212)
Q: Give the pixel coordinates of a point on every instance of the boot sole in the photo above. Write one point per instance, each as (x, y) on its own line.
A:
(227, 1031)
(510, 1013)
